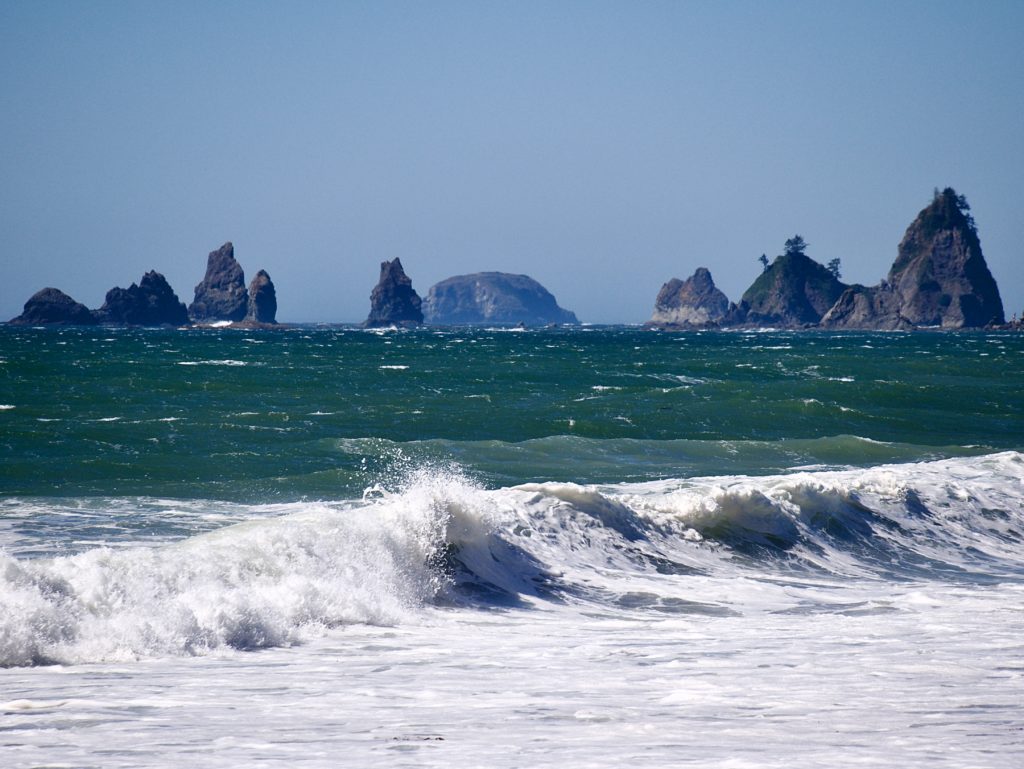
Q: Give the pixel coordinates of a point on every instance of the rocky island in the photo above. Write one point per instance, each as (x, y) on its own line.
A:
(51, 306)
(689, 304)
(493, 297)
(221, 295)
(262, 308)
(939, 280)
(393, 301)
(150, 302)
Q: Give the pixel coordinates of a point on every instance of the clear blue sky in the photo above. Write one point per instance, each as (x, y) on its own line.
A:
(600, 147)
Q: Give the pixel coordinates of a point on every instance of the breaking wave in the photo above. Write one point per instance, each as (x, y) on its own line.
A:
(442, 541)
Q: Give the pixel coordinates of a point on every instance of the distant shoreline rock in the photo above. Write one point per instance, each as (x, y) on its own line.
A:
(495, 298)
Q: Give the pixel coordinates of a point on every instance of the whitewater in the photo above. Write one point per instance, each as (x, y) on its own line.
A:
(480, 597)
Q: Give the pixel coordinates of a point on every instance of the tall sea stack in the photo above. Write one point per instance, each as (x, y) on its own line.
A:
(393, 301)
(221, 295)
(262, 300)
(940, 275)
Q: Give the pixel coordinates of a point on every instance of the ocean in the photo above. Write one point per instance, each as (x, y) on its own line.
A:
(588, 547)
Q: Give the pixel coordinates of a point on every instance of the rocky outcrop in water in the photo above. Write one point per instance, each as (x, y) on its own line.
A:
(692, 303)
(51, 306)
(939, 278)
(262, 300)
(221, 295)
(393, 301)
(150, 303)
(867, 308)
(793, 292)
(493, 297)
(940, 274)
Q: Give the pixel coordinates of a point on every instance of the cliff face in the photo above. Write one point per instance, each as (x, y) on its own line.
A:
(51, 306)
(221, 295)
(795, 291)
(493, 297)
(692, 303)
(393, 300)
(150, 303)
(940, 274)
(262, 300)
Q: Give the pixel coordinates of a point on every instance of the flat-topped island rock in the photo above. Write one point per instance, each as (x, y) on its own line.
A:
(493, 297)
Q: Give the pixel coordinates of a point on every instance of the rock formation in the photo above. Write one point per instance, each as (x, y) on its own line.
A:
(262, 300)
(221, 295)
(794, 292)
(51, 306)
(393, 302)
(940, 275)
(150, 303)
(493, 297)
(869, 308)
(693, 303)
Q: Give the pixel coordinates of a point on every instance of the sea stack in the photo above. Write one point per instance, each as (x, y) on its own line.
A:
(793, 292)
(51, 306)
(393, 301)
(689, 304)
(150, 303)
(221, 295)
(262, 300)
(940, 274)
(493, 297)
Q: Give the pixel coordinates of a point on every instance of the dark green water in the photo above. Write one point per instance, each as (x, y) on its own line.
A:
(327, 412)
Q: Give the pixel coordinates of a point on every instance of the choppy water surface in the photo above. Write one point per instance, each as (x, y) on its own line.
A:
(571, 548)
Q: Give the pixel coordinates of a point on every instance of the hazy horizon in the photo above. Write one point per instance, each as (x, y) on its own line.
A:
(601, 148)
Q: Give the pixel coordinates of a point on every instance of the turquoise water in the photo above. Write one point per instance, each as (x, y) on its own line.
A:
(325, 412)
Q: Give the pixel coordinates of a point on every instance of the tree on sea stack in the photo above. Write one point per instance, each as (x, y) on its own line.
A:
(796, 245)
(833, 267)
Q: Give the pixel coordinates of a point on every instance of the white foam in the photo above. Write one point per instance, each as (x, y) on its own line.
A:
(226, 362)
(264, 583)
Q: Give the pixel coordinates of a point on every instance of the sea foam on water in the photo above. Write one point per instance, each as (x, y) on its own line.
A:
(279, 581)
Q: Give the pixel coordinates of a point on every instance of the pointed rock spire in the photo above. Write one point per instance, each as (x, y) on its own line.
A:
(262, 300)
(221, 295)
(393, 300)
